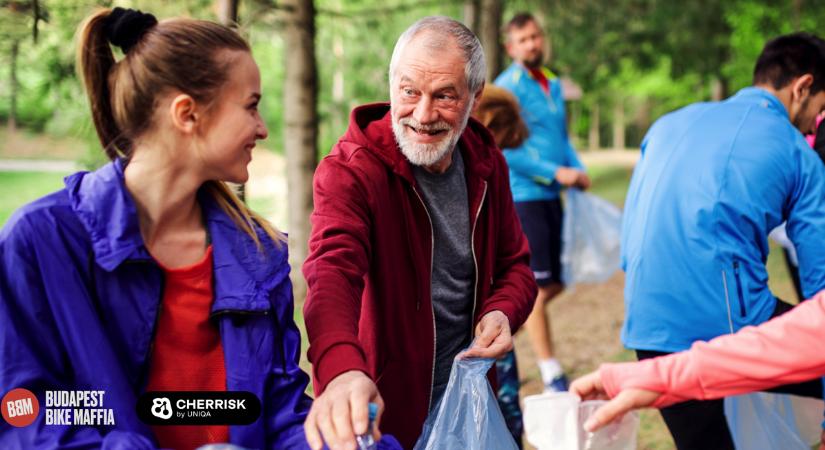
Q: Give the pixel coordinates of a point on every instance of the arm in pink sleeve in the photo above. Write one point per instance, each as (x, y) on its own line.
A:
(787, 349)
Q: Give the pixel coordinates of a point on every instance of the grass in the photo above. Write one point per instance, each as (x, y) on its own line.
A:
(19, 188)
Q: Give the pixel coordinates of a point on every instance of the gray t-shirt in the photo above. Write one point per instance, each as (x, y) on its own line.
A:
(453, 272)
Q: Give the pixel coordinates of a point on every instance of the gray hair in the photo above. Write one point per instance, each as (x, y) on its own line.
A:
(438, 28)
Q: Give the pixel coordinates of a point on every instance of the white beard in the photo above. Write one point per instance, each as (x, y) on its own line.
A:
(427, 154)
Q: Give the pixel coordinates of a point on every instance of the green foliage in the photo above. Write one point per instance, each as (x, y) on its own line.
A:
(652, 56)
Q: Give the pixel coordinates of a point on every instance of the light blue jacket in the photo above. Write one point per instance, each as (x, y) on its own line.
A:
(712, 181)
(533, 165)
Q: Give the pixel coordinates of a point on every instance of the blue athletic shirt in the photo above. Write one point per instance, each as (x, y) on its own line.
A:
(533, 165)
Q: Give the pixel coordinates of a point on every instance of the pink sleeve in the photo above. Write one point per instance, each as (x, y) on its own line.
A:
(787, 349)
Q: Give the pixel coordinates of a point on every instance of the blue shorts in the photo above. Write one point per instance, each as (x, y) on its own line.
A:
(542, 222)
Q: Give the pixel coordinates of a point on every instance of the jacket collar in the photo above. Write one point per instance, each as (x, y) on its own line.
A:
(243, 276)
(371, 127)
(763, 97)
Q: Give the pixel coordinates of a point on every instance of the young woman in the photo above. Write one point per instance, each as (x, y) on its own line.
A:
(149, 274)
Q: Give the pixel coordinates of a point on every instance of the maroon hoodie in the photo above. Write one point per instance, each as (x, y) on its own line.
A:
(370, 254)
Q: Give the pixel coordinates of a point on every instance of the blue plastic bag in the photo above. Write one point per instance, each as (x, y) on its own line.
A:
(591, 234)
(468, 416)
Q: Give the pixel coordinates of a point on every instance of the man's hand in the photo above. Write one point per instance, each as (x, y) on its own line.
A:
(590, 387)
(493, 338)
(570, 177)
(342, 412)
(584, 182)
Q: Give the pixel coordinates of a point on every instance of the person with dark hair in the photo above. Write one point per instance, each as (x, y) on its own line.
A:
(416, 252)
(712, 180)
(149, 274)
(539, 169)
(817, 142)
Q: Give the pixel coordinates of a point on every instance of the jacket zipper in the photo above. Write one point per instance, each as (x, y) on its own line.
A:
(432, 308)
(475, 261)
(739, 288)
(727, 300)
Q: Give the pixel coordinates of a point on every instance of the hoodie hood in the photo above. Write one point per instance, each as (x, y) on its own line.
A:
(370, 127)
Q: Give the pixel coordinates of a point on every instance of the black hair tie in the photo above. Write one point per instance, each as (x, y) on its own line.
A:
(125, 27)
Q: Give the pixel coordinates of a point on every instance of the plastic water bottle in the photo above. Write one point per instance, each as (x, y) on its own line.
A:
(365, 441)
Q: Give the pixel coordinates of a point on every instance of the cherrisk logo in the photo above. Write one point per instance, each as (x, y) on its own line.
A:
(198, 408)
(162, 408)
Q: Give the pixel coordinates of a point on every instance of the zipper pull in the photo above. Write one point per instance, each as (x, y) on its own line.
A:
(736, 267)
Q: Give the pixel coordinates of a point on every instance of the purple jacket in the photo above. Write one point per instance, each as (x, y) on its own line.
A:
(79, 300)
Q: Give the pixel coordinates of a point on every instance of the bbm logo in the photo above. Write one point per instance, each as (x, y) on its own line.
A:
(162, 408)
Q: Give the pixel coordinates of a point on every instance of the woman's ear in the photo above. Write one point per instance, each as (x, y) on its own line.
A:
(184, 114)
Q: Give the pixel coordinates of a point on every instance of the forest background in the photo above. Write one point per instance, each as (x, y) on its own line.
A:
(624, 64)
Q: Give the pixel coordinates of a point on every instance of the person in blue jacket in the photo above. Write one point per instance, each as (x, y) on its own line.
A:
(90, 274)
(713, 179)
(539, 168)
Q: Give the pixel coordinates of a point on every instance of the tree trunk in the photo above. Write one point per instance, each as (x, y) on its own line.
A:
(796, 15)
(471, 15)
(227, 12)
(718, 89)
(15, 50)
(339, 110)
(618, 125)
(593, 136)
(300, 128)
(490, 30)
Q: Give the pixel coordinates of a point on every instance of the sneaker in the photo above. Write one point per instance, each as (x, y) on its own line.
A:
(558, 384)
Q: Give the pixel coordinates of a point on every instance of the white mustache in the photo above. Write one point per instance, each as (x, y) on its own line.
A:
(436, 126)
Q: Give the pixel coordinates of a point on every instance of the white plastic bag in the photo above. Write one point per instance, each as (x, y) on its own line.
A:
(591, 233)
(555, 421)
(768, 421)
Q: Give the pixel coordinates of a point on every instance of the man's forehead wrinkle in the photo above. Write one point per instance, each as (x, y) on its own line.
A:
(422, 66)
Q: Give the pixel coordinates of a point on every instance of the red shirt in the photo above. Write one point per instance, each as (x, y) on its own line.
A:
(187, 353)
(539, 76)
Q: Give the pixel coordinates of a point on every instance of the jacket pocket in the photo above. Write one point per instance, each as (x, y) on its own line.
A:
(739, 293)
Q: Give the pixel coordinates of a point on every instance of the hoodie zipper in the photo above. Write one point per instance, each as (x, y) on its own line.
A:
(418, 303)
(739, 287)
(475, 261)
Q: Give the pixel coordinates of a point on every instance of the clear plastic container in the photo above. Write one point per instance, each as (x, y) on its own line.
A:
(555, 421)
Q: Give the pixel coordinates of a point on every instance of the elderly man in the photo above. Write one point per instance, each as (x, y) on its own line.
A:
(416, 251)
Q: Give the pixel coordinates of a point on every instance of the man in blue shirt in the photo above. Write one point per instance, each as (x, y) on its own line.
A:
(538, 169)
(713, 179)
